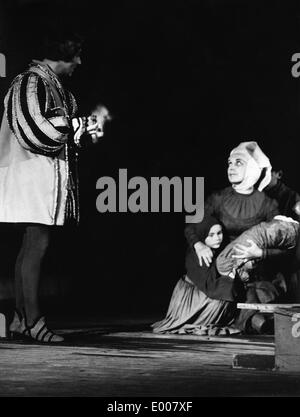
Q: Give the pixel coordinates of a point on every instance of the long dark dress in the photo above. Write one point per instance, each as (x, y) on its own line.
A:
(205, 306)
(192, 312)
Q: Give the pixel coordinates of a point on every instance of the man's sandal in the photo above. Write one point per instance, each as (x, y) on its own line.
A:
(41, 333)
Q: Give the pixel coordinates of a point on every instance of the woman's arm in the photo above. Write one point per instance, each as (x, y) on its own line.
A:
(274, 253)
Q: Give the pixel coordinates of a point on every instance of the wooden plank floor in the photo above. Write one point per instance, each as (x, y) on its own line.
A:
(122, 358)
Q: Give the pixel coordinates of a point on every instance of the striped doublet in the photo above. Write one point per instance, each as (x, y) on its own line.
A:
(39, 110)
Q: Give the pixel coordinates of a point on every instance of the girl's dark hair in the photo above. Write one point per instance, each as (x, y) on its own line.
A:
(62, 47)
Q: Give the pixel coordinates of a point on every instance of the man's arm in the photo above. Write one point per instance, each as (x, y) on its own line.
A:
(36, 129)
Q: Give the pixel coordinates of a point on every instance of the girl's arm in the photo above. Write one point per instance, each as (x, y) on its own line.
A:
(204, 253)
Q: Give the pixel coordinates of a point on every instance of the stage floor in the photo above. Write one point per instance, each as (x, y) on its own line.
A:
(121, 357)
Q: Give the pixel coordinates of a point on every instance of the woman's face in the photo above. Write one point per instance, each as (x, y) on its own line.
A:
(236, 169)
(214, 237)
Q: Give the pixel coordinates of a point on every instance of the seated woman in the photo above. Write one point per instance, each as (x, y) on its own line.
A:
(239, 207)
(266, 237)
(203, 301)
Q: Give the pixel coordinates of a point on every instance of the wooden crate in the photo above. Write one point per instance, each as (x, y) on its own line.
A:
(2, 325)
(287, 339)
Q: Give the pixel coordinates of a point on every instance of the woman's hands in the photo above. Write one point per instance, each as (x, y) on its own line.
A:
(248, 252)
(204, 253)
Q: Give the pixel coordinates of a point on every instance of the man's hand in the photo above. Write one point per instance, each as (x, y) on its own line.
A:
(92, 128)
(204, 253)
(100, 115)
(248, 252)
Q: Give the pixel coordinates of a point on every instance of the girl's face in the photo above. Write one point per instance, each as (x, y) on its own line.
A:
(236, 169)
(214, 237)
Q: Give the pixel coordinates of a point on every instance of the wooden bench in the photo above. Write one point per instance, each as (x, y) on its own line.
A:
(266, 308)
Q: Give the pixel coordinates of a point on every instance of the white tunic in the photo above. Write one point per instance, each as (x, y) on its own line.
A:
(33, 188)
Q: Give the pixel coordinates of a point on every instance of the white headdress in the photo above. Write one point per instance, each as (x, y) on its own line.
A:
(256, 162)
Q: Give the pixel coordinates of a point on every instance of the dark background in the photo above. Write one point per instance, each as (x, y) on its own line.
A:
(186, 81)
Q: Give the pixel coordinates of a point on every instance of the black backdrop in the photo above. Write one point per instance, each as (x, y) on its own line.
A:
(186, 81)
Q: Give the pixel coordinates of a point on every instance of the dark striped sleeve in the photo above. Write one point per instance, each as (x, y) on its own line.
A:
(35, 129)
(73, 108)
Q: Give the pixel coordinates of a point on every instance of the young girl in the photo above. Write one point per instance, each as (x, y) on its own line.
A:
(203, 300)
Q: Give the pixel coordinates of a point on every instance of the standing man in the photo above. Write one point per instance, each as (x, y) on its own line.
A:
(38, 184)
